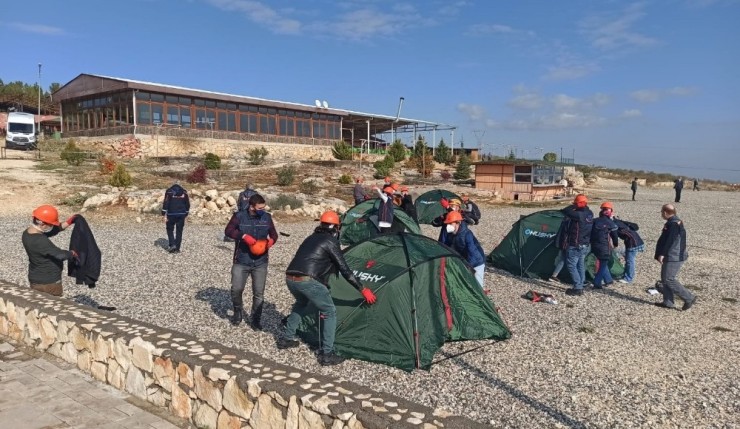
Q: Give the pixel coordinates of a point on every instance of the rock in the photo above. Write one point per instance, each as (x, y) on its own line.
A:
(164, 373)
(211, 195)
(228, 421)
(211, 206)
(180, 404)
(237, 401)
(221, 202)
(205, 417)
(135, 383)
(266, 414)
(100, 200)
(231, 201)
(206, 390)
(142, 354)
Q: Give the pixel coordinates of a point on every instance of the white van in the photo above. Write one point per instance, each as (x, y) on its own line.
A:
(20, 131)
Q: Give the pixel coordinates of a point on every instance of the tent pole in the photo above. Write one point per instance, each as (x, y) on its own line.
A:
(416, 336)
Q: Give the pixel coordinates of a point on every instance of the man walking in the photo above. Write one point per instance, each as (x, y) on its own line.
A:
(678, 186)
(358, 193)
(670, 252)
(306, 276)
(696, 184)
(254, 234)
(242, 202)
(634, 188)
(578, 238)
(175, 209)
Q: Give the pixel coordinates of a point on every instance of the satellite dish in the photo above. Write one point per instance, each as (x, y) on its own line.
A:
(325, 104)
(318, 103)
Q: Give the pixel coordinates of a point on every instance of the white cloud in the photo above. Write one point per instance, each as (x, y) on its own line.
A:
(655, 95)
(529, 101)
(553, 121)
(631, 113)
(474, 112)
(611, 32)
(259, 13)
(646, 95)
(483, 29)
(562, 101)
(46, 30)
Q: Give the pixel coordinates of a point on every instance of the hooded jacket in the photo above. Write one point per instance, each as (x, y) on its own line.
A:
(603, 237)
(86, 267)
(627, 231)
(465, 243)
(176, 201)
(578, 232)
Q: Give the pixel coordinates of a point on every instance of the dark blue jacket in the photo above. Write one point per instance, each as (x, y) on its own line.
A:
(627, 231)
(242, 202)
(672, 242)
(259, 227)
(176, 201)
(465, 243)
(578, 232)
(603, 233)
(385, 210)
(561, 238)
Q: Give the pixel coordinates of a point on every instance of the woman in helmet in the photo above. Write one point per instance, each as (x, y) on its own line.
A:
(604, 238)
(461, 239)
(45, 259)
(317, 257)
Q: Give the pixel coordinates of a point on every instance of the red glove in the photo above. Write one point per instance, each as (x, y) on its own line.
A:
(369, 295)
(270, 242)
(248, 239)
(445, 203)
(70, 220)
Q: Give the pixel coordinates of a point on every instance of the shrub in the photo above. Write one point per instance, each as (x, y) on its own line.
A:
(74, 200)
(286, 176)
(309, 187)
(445, 175)
(397, 151)
(107, 165)
(197, 175)
(462, 171)
(342, 151)
(257, 155)
(120, 177)
(425, 165)
(72, 154)
(212, 161)
(383, 167)
(283, 200)
(345, 179)
(442, 153)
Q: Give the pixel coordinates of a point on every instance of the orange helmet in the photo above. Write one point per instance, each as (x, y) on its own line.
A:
(47, 214)
(580, 200)
(395, 186)
(607, 205)
(258, 248)
(388, 190)
(330, 217)
(404, 188)
(453, 217)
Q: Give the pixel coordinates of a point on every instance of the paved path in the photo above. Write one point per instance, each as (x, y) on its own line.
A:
(38, 391)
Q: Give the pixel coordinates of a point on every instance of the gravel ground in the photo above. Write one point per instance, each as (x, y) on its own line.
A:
(606, 359)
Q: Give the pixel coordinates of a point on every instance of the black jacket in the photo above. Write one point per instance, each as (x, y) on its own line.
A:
(407, 205)
(176, 201)
(672, 242)
(627, 231)
(579, 226)
(603, 237)
(318, 256)
(86, 267)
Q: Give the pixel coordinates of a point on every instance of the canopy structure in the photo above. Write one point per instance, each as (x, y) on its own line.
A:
(428, 206)
(361, 222)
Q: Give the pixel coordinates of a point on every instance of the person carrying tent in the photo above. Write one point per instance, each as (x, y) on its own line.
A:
(603, 239)
(470, 210)
(407, 203)
(461, 239)
(578, 238)
(633, 245)
(307, 279)
(385, 209)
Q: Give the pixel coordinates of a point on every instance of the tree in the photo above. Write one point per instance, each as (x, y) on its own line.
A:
(54, 86)
(442, 154)
(550, 157)
(462, 171)
(512, 154)
(397, 151)
(422, 158)
(342, 151)
(383, 167)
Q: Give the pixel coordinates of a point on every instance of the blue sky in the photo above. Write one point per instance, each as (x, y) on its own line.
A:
(650, 85)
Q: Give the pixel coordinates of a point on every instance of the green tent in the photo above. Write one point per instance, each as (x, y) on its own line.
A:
(426, 294)
(361, 222)
(428, 207)
(528, 250)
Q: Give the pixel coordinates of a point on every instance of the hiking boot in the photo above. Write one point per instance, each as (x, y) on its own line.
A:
(688, 304)
(329, 359)
(574, 292)
(608, 284)
(283, 343)
(238, 316)
(256, 322)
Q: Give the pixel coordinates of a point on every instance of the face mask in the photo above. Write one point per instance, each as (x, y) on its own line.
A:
(450, 228)
(42, 229)
(259, 212)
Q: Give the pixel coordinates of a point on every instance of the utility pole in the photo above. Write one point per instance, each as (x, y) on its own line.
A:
(38, 125)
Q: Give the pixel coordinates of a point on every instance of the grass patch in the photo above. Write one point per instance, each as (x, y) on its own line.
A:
(73, 200)
(730, 300)
(283, 200)
(587, 330)
(721, 329)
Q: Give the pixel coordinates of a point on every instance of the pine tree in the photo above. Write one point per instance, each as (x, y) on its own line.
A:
(462, 170)
(442, 153)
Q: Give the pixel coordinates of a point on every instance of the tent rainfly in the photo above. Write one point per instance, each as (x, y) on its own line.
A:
(361, 222)
(428, 207)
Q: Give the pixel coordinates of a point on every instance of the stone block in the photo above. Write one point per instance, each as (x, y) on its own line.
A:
(291, 418)
(116, 375)
(236, 400)
(228, 421)
(101, 349)
(141, 352)
(79, 339)
(205, 417)
(63, 328)
(180, 404)
(206, 390)
(309, 419)
(164, 373)
(48, 334)
(267, 415)
(84, 359)
(185, 375)
(122, 354)
(32, 325)
(135, 383)
(98, 371)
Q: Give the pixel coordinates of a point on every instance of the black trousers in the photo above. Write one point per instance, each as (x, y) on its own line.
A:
(174, 230)
(678, 196)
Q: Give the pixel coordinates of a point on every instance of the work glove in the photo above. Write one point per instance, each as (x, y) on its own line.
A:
(369, 295)
(270, 242)
(445, 203)
(75, 257)
(248, 239)
(70, 220)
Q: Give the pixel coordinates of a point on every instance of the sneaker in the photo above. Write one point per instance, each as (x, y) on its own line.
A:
(553, 279)
(171, 249)
(329, 359)
(574, 292)
(284, 343)
(688, 304)
(623, 281)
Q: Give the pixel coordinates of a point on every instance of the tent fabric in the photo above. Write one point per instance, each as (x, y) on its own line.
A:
(361, 222)
(427, 295)
(428, 207)
(528, 250)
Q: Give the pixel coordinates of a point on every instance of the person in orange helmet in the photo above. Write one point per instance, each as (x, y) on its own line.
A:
(460, 238)
(45, 259)
(578, 241)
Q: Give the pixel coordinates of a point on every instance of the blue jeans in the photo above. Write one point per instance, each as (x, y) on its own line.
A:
(239, 274)
(629, 264)
(603, 274)
(314, 292)
(559, 262)
(576, 262)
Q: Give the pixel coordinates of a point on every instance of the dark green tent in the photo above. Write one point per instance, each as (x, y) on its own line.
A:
(428, 207)
(361, 222)
(528, 250)
(426, 295)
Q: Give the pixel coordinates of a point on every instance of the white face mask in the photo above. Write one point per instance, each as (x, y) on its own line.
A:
(450, 228)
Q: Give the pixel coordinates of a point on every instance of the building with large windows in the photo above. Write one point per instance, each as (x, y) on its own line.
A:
(93, 105)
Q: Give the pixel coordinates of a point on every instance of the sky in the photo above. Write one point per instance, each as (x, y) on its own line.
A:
(649, 85)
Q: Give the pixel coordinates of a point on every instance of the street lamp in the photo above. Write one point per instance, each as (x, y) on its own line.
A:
(39, 111)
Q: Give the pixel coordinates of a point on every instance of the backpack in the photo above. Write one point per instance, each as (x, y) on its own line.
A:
(242, 203)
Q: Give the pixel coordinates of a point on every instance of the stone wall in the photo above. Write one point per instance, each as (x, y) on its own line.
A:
(210, 385)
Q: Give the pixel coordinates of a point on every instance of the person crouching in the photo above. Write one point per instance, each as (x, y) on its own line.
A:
(461, 239)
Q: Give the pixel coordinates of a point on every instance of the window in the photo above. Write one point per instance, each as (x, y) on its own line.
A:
(286, 127)
(226, 121)
(230, 106)
(200, 102)
(222, 121)
(547, 174)
(173, 115)
(210, 103)
(185, 101)
(144, 113)
(142, 96)
(185, 119)
(247, 123)
(157, 116)
(319, 130)
(171, 99)
(157, 97)
(522, 174)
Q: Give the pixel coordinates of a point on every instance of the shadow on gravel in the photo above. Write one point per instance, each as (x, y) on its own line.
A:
(163, 243)
(89, 301)
(220, 302)
(557, 415)
(615, 294)
(219, 299)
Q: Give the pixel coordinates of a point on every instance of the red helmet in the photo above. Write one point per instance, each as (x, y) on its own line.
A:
(607, 205)
(330, 217)
(580, 200)
(47, 214)
(453, 217)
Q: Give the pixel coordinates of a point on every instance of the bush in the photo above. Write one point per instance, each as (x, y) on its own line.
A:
(197, 175)
(283, 200)
(462, 171)
(383, 167)
(74, 200)
(107, 165)
(120, 177)
(286, 176)
(397, 151)
(309, 187)
(72, 154)
(445, 175)
(443, 154)
(257, 155)
(212, 161)
(342, 151)
(345, 179)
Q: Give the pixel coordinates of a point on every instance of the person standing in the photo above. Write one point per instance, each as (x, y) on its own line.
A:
(470, 210)
(634, 188)
(385, 209)
(603, 239)
(358, 192)
(461, 239)
(561, 243)
(696, 184)
(175, 209)
(678, 186)
(633, 245)
(671, 253)
(407, 204)
(578, 239)
(254, 234)
(46, 260)
(242, 202)
(307, 276)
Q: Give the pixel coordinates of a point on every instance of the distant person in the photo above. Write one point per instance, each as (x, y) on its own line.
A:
(678, 186)
(242, 202)
(358, 193)
(470, 210)
(385, 209)
(407, 204)
(671, 253)
(604, 238)
(578, 236)
(633, 245)
(634, 188)
(696, 184)
(175, 209)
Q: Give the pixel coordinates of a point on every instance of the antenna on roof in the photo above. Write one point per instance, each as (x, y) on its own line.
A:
(317, 103)
(325, 104)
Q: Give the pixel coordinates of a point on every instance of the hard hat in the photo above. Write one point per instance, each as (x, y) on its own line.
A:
(453, 217)
(580, 200)
(395, 186)
(455, 202)
(607, 205)
(388, 190)
(330, 217)
(404, 188)
(258, 248)
(47, 214)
